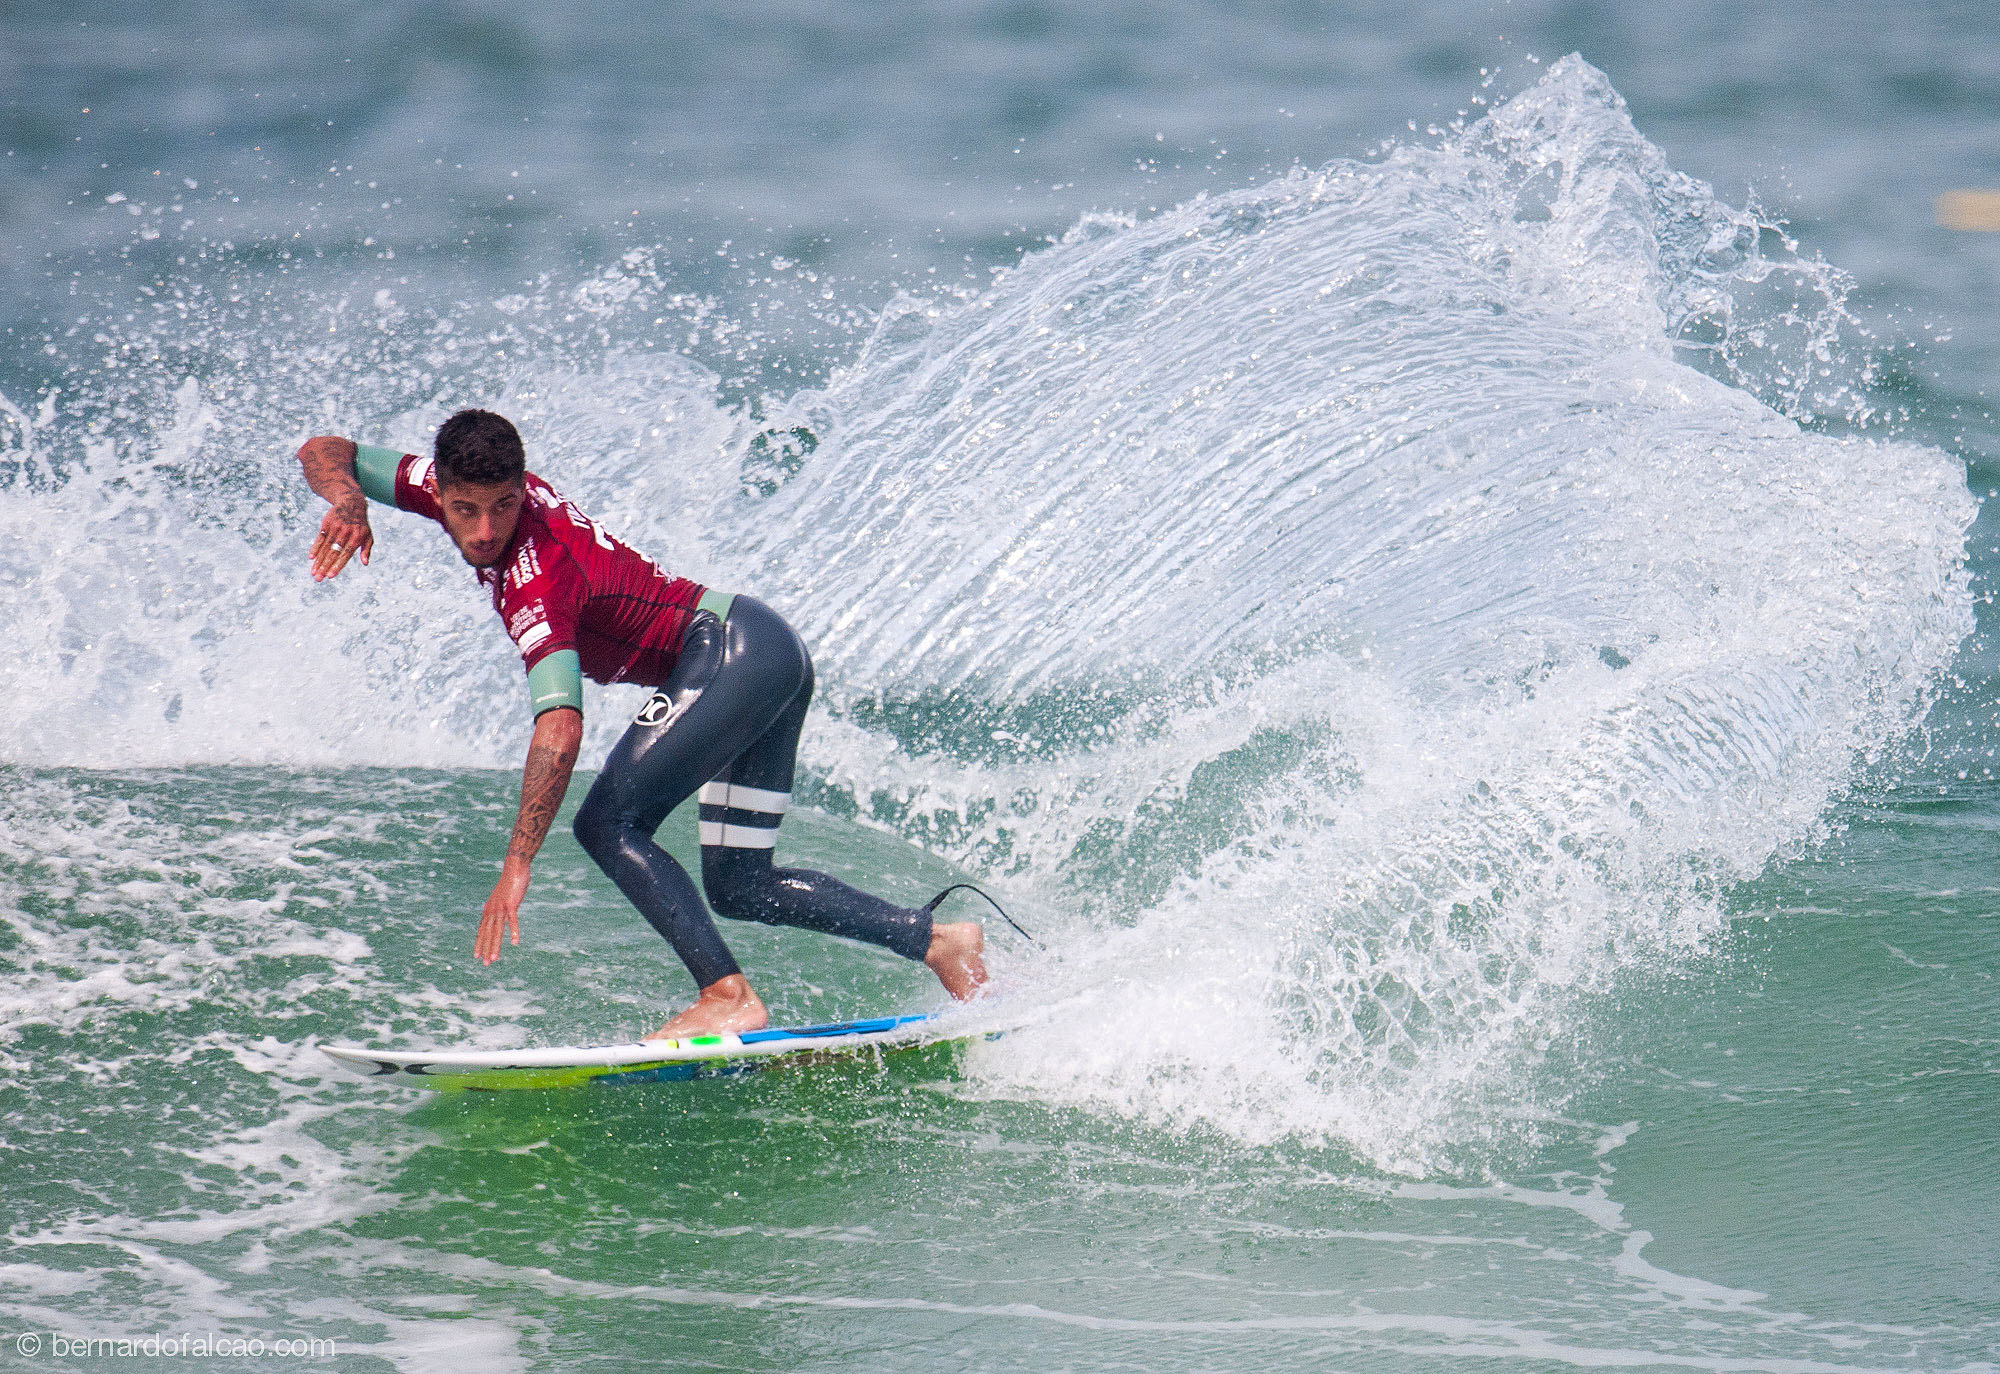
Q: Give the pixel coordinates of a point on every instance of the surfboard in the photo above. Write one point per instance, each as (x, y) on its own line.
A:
(645, 1061)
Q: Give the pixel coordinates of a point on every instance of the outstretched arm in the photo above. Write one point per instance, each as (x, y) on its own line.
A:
(551, 759)
(329, 467)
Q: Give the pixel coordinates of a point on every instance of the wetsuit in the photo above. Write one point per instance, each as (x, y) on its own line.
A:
(734, 682)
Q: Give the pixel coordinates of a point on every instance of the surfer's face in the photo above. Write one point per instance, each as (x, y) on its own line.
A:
(481, 517)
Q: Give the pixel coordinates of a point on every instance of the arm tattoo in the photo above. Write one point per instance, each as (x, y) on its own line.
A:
(543, 782)
(329, 468)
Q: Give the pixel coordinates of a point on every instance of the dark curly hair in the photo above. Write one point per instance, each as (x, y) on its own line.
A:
(479, 448)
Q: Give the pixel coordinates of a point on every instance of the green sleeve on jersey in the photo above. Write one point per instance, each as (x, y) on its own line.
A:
(556, 681)
(376, 467)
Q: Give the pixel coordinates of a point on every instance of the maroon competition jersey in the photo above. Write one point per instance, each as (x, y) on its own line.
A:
(563, 583)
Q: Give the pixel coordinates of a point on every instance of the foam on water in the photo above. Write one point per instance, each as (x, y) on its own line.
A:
(1373, 610)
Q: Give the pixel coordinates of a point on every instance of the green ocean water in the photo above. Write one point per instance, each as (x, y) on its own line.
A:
(1465, 636)
(1770, 1159)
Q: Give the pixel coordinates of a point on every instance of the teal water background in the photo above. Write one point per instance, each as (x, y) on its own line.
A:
(1468, 645)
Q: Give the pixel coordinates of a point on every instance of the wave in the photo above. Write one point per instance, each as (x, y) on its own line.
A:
(1374, 610)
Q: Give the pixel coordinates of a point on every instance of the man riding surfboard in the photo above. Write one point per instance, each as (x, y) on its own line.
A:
(733, 684)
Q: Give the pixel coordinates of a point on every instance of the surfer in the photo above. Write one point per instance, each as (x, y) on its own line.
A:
(733, 684)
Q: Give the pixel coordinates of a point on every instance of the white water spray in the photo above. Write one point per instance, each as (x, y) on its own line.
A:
(1345, 595)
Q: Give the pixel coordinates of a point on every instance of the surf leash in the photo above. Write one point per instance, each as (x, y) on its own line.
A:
(932, 905)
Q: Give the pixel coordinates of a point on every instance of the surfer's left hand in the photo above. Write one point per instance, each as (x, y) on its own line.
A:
(501, 912)
(343, 533)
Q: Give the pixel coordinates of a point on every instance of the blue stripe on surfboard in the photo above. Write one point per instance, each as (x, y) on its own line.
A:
(723, 1066)
(885, 1023)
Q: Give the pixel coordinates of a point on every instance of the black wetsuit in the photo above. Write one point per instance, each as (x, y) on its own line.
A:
(726, 721)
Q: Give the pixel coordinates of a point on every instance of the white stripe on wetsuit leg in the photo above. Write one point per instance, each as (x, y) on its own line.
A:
(738, 836)
(745, 798)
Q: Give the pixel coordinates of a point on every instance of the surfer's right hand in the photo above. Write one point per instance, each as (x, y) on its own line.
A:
(502, 912)
(342, 534)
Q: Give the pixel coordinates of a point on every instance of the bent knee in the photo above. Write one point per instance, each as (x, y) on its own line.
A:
(734, 879)
(596, 828)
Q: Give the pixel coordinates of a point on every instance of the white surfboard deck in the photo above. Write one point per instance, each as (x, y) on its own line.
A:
(645, 1061)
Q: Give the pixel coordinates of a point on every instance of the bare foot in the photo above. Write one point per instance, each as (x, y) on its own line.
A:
(954, 956)
(727, 1004)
